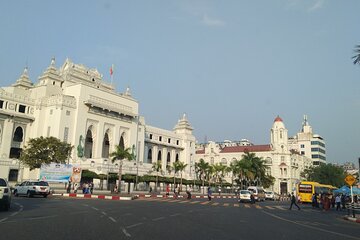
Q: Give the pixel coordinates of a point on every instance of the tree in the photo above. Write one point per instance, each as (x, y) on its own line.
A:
(201, 169)
(181, 167)
(234, 170)
(45, 151)
(219, 172)
(121, 154)
(357, 56)
(175, 168)
(325, 174)
(157, 167)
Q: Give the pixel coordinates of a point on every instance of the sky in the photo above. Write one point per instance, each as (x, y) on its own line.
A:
(232, 66)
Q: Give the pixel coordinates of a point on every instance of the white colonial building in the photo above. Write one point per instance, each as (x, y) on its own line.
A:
(73, 103)
(283, 164)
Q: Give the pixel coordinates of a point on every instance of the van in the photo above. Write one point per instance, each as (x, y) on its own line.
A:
(259, 193)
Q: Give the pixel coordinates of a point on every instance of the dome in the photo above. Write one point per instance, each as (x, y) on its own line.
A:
(278, 119)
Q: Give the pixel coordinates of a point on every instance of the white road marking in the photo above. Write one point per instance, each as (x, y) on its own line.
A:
(157, 219)
(96, 209)
(3, 220)
(126, 233)
(112, 219)
(134, 225)
(104, 213)
(312, 227)
(174, 215)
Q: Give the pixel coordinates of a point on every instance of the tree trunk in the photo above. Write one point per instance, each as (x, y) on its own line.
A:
(157, 179)
(180, 181)
(120, 173)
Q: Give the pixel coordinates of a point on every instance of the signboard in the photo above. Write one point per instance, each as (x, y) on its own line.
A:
(350, 180)
(56, 172)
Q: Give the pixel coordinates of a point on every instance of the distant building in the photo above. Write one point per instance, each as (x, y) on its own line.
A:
(309, 144)
(74, 104)
(283, 164)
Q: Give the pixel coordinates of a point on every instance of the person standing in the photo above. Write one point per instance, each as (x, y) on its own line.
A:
(209, 193)
(293, 202)
(167, 190)
(338, 202)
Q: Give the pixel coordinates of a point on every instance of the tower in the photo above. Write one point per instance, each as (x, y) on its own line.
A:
(279, 136)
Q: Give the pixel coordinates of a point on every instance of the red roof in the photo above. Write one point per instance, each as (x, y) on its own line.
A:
(278, 119)
(202, 151)
(254, 148)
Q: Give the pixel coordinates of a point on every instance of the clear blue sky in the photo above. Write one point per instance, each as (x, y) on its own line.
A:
(232, 66)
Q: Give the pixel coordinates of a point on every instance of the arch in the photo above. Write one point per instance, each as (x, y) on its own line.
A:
(233, 160)
(121, 142)
(88, 151)
(223, 161)
(168, 159)
(177, 157)
(18, 134)
(105, 146)
(159, 155)
(149, 157)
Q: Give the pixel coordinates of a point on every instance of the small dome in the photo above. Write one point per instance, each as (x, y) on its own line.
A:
(278, 119)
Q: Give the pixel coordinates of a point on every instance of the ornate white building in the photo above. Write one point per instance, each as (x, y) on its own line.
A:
(74, 104)
(283, 164)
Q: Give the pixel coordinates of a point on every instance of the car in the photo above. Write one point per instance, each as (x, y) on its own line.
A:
(5, 194)
(259, 193)
(270, 195)
(244, 196)
(31, 188)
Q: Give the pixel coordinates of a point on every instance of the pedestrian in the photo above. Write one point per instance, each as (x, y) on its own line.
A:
(313, 200)
(167, 190)
(209, 192)
(68, 189)
(188, 192)
(76, 187)
(150, 189)
(115, 189)
(252, 198)
(175, 191)
(338, 202)
(332, 201)
(91, 185)
(293, 202)
(343, 201)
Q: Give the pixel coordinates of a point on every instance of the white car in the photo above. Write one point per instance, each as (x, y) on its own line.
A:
(244, 196)
(5, 194)
(269, 195)
(31, 188)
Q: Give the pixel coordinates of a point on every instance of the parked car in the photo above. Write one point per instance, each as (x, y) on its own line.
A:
(244, 196)
(259, 193)
(270, 195)
(5, 194)
(31, 188)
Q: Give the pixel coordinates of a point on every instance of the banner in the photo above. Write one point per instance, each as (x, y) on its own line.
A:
(56, 172)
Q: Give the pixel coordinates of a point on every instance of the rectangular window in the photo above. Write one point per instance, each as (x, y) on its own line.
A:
(13, 175)
(302, 152)
(67, 113)
(177, 142)
(160, 138)
(66, 134)
(169, 140)
(22, 108)
(302, 145)
(1, 103)
(282, 159)
(150, 136)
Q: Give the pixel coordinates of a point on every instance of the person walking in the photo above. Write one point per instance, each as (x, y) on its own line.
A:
(293, 202)
(338, 202)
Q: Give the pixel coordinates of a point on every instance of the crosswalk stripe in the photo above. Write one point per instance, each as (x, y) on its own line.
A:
(194, 202)
(236, 205)
(174, 201)
(280, 207)
(226, 205)
(184, 201)
(247, 205)
(215, 204)
(268, 207)
(204, 203)
(258, 207)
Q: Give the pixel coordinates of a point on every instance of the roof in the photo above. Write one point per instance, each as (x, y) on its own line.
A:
(201, 151)
(253, 148)
(278, 119)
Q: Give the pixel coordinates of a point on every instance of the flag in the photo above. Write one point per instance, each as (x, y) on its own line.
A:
(111, 70)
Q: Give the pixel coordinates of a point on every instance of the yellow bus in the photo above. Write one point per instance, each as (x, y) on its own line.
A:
(305, 190)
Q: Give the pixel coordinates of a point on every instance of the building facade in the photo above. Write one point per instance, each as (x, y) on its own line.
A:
(283, 164)
(74, 104)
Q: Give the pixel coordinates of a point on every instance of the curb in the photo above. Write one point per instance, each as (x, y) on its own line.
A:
(92, 196)
(352, 219)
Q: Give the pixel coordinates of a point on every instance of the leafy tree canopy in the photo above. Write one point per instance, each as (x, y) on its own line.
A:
(325, 174)
(45, 151)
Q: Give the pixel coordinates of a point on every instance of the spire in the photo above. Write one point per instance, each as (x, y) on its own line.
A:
(128, 92)
(183, 123)
(24, 80)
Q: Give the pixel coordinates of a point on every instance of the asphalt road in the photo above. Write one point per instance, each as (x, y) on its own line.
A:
(67, 218)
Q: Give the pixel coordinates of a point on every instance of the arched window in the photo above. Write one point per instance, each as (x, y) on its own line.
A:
(106, 146)
(149, 157)
(88, 144)
(177, 157)
(159, 156)
(168, 159)
(223, 161)
(18, 134)
(121, 143)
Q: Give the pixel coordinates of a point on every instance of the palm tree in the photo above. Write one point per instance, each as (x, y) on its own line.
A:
(157, 167)
(234, 170)
(121, 154)
(181, 167)
(219, 171)
(175, 168)
(201, 169)
(252, 167)
(210, 173)
(357, 56)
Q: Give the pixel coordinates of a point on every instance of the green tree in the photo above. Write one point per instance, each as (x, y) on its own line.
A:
(201, 169)
(45, 151)
(219, 172)
(251, 169)
(121, 154)
(157, 167)
(175, 168)
(181, 167)
(234, 170)
(357, 56)
(325, 174)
